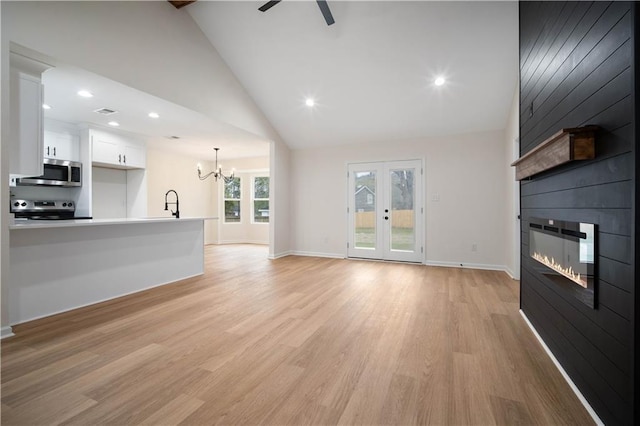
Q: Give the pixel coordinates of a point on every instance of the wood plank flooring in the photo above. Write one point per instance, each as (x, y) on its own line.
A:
(293, 341)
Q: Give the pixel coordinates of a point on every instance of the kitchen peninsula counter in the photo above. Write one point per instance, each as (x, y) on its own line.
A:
(37, 224)
(57, 266)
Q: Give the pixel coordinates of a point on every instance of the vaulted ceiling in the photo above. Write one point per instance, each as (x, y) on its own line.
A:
(371, 73)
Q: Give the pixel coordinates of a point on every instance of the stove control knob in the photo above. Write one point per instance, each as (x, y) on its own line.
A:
(70, 204)
(16, 204)
(64, 204)
(24, 204)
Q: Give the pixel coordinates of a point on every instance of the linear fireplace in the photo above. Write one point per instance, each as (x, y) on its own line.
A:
(566, 254)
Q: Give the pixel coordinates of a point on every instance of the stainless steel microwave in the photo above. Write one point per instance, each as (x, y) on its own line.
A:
(57, 173)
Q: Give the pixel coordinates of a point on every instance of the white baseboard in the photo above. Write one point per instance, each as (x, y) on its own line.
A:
(259, 242)
(279, 255)
(511, 273)
(572, 385)
(6, 332)
(482, 266)
(428, 263)
(317, 254)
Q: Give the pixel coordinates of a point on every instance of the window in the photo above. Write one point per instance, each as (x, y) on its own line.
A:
(232, 194)
(260, 201)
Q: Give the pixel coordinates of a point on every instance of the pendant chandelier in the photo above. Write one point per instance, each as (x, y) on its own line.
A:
(217, 173)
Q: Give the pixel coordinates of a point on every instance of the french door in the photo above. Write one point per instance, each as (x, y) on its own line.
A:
(385, 210)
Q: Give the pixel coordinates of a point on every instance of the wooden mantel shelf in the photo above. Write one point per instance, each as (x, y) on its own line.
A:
(564, 146)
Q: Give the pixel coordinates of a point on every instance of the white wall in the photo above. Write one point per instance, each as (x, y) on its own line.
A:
(245, 231)
(167, 171)
(280, 197)
(466, 171)
(512, 190)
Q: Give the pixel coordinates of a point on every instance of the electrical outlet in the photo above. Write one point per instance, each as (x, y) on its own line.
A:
(435, 197)
(474, 247)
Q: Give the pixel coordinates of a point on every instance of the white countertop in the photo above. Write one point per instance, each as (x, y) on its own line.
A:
(38, 224)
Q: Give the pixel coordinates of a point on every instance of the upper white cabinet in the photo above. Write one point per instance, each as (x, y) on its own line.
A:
(106, 150)
(26, 130)
(116, 151)
(135, 155)
(61, 146)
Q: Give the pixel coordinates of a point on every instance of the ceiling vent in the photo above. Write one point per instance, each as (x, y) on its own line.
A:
(105, 111)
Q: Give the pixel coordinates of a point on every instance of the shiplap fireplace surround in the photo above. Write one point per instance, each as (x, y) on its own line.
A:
(565, 252)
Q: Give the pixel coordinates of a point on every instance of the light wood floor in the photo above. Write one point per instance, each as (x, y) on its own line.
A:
(292, 341)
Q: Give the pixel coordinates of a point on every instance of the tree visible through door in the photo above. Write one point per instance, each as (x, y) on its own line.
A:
(385, 213)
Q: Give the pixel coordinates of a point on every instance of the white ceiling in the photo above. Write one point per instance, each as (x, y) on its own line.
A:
(198, 133)
(372, 72)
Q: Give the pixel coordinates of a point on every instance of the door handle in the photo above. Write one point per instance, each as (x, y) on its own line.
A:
(119, 158)
(124, 158)
(54, 151)
(47, 150)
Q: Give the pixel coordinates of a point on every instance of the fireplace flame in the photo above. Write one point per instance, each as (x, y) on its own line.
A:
(564, 271)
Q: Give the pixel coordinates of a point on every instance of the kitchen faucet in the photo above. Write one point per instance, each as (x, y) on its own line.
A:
(177, 203)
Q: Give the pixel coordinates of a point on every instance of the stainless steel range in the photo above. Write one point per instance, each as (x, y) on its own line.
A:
(44, 209)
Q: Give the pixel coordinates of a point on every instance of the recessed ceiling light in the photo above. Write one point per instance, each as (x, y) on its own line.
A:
(439, 81)
(310, 102)
(85, 94)
(46, 106)
(154, 115)
(113, 123)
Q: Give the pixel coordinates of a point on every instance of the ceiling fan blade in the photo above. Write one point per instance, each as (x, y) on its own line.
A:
(324, 8)
(268, 5)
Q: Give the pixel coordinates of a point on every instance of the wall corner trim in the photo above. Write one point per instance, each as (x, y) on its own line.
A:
(572, 385)
(6, 332)
(511, 274)
(279, 255)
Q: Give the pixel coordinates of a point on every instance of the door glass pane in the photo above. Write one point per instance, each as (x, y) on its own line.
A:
(365, 210)
(402, 210)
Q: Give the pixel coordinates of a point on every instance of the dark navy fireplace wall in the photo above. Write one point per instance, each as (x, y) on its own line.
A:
(576, 69)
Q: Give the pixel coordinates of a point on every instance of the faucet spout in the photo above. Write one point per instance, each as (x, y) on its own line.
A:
(177, 203)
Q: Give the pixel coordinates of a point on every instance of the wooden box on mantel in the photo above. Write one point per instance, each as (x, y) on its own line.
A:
(564, 146)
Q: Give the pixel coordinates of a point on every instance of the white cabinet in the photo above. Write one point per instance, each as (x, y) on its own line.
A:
(61, 146)
(25, 124)
(134, 155)
(105, 150)
(115, 151)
